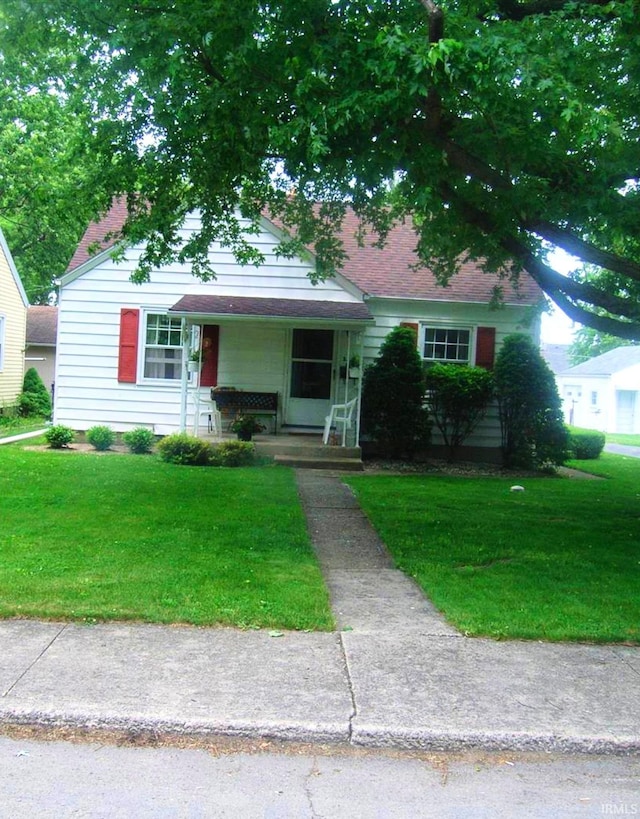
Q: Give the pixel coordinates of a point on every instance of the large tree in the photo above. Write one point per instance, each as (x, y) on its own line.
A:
(504, 128)
(47, 193)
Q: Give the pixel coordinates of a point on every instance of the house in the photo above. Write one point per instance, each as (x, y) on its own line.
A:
(604, 392)
(13, 321)
(556, 356)
(123, 347)
(40, 352)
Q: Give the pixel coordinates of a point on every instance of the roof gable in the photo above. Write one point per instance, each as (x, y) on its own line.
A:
(387, 272)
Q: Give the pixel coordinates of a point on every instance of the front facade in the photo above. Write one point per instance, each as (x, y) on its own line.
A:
(13, 322)
(123, 348)
(604, 392)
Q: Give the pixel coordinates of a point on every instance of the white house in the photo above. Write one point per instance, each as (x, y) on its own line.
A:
(13, 321)
(40, 352)
(604, 392)
(123, 347)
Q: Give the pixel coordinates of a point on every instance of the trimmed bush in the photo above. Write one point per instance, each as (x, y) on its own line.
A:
(139, 440)
(392, 397)
(34, 398)
(586, 444)
(59, 436)
(101, 438)
(457, 397)
(233, 453)
(185, 450)
(531, 420)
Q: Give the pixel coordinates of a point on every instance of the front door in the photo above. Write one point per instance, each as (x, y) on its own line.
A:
(311, 375)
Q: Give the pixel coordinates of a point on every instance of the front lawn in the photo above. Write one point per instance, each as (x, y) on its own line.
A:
(125, 537)
(559, 561)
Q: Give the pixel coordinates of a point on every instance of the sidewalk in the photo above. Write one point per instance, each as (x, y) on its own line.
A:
(395, 675)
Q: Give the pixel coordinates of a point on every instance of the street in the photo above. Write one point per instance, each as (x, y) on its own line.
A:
(52, 778)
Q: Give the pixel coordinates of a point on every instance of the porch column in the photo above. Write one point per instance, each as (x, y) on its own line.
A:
(184, 379)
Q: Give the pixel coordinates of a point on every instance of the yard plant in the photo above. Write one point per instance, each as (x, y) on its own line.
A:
(559, 561)
(128, 538)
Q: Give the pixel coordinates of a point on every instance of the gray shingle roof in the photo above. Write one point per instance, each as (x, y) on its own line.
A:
(607, 363)
(42, 325)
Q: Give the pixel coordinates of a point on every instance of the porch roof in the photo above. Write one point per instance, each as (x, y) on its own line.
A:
(299, 310)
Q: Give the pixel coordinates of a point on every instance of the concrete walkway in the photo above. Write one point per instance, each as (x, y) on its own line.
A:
(395, 674)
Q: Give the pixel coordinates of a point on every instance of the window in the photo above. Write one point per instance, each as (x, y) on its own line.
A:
(447, 345)
(1, 342)
(163, 347)
(594, 399)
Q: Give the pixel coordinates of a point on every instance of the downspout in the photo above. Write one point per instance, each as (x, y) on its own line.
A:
(184, 381)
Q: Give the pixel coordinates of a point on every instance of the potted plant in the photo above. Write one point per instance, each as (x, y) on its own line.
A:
(194, 363)
(245, 425)
(354, 366)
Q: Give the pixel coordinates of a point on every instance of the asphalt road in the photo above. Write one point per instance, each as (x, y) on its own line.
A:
(63, 779)
(622, 449)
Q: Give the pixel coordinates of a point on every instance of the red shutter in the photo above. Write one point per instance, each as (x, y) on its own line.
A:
(128, 351)
(485, 347)
(411, 326)
(210, 347)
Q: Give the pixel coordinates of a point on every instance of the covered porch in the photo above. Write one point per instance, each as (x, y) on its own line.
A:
(289, 363)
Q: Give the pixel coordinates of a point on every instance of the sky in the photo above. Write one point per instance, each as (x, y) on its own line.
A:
(556, 327)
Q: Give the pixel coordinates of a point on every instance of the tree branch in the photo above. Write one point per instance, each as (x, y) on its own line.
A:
(512, 10)
(586, 251)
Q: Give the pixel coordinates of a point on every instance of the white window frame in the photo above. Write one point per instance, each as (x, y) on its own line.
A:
(447, 327)
(175, 327)
(3, 325)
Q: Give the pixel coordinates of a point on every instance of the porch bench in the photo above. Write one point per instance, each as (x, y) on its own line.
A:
(246, 402)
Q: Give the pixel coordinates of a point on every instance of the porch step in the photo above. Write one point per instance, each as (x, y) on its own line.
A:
(286, 446)
(299, 462)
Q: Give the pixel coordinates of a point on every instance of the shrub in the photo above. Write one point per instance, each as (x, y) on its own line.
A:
(139, 440)
(233, 453)
(34, 398)
(185, 450)
(59, 436)
(531, 421)
(457, 397)
(392, 396)
(586, 444)
(101, 438)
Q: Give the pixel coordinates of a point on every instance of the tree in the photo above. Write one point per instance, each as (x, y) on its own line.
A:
(531, 419)
(393, 396)
(47, 192)
(457, 397)
(588, 343)
(34, 398)
(504, 128)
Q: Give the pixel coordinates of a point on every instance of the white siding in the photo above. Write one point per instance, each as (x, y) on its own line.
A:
(594, 401)
(390, 313)
(252, 355)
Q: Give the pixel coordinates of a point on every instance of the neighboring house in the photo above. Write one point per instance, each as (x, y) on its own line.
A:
(556, 356)
(42, 331)
(13, 321)
(122, 347)
(604, 392)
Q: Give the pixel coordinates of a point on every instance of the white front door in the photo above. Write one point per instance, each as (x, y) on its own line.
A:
(309, 400)
(625, 411)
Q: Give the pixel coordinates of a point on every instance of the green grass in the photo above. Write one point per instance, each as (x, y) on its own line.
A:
(124, 537)
(559, 561)
(10, 425)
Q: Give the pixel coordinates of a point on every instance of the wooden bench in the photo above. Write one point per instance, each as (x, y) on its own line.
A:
(239, 402)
